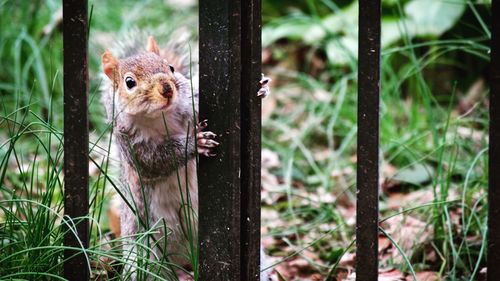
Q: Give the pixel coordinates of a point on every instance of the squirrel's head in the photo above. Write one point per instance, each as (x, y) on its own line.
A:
(144, 84)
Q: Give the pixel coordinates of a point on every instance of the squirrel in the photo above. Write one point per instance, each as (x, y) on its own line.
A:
(152, 106)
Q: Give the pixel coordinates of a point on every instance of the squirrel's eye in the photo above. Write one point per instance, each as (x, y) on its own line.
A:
(171, 68)
(130, 82)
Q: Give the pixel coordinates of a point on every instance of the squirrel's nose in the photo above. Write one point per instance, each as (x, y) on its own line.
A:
(167, 91)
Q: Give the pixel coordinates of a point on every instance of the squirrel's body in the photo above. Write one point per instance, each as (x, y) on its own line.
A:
(153, 109)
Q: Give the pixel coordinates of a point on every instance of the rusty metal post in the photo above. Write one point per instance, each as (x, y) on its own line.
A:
(368, 140)
(76, 136)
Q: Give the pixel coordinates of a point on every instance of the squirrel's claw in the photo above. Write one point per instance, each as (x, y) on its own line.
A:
(206, 135)
(206, 152)
(264, 90)
(206, 142)
(202, 125)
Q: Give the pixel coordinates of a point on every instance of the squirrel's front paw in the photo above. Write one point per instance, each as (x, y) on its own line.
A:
(206, 142)
(264, 90)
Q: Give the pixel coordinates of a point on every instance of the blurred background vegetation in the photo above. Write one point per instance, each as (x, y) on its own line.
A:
(434, 120)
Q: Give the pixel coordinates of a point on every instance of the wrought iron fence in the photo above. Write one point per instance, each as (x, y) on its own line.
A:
(76, 135)
(229, 210)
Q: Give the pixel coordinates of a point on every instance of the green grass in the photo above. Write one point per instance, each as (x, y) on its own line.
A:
(315, 134)
(32, 225)
(432, 146)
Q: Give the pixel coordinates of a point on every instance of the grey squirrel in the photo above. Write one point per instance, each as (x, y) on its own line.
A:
(152, 106)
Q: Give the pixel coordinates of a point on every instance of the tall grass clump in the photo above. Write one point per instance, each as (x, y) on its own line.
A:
(32, 222)
(30, 143)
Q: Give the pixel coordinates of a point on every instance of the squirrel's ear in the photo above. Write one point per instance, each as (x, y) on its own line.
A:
(152, 46)
(110, 65)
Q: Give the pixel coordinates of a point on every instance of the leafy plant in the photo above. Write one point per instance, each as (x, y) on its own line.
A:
(337, 32)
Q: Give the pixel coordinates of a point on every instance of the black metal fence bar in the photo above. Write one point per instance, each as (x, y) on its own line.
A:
(229, 184)
(493, 258)
(250, 139)
(76, 136)
(368, 140)
(219, 177)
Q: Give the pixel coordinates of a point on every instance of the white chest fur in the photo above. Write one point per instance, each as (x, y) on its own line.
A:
(175, 201)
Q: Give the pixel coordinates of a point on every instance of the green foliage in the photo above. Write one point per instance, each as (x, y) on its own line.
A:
(32, 226)
(434, 55)
(337, 32)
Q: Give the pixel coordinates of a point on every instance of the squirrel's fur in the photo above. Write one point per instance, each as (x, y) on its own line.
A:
(152, 103)
(153, 127)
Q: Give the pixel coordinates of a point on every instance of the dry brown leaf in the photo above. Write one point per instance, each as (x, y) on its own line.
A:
(383, 243)
(474, 95)
(288, 272)
(268, 106)
(391, 275)
(408, 232)
(321, 196)
(396, 201)
(304, 267)
(317, 277)
(269, 159)
(342, 173)
(348, 260)
(425, 276)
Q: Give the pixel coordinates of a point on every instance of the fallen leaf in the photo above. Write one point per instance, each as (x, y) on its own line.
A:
(391, 275)
(269, 159)
(416, 174)
(304, 267)
(425, 276)
(383, 243)
(409, 232)
(348, 260)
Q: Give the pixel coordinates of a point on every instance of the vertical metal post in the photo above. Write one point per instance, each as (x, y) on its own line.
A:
(229, 184)
(251, 60)
(219, 177)
(76, 136)
(493, 258)
(368, 140)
